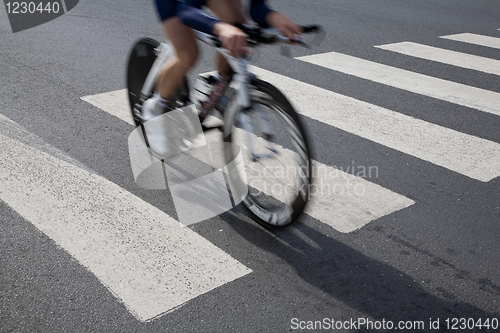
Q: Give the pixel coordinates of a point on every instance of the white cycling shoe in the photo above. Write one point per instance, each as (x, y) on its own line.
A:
(157, 127)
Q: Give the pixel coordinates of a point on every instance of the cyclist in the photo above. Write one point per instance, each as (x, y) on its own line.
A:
(177, 18)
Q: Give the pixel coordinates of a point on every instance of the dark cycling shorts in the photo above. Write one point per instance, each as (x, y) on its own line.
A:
(168, 8)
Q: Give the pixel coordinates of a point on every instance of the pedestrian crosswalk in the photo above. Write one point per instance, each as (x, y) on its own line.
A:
(471, 156)
(345, 211)
(480, 99)
(153, 264)
(466, 154)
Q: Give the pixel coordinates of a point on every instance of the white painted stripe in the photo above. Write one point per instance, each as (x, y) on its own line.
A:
(454, 58)
(113, 102)
(348, 202)
(146, 258)
(487, 41)
(466, 154)
(480, 99)
(339, 198)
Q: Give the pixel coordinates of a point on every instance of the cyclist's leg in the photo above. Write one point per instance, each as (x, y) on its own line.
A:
(184, 43)
(229, 11)
(170, 78)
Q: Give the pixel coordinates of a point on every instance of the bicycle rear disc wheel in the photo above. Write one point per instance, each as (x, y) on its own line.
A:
(141, 59)
(278, 186)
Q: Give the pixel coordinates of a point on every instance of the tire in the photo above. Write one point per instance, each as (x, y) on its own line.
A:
(141, 59)
(266, 177)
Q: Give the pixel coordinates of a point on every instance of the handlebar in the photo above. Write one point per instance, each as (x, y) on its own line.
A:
(259, 35)
(270, 35)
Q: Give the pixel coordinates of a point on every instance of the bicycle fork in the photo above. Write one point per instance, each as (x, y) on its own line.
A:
(245, 120)
(243, 79)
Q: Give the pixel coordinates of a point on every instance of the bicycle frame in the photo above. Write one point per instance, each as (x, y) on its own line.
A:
(242, 77)
(239, 66)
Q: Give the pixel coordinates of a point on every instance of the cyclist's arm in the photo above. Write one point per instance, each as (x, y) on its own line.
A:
(232, 38)
(196, 19)
(262, 14)
(191, 14)
(259, 11)
(285, 25)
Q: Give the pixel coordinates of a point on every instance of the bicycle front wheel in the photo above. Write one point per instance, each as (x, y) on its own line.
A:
(275, 152)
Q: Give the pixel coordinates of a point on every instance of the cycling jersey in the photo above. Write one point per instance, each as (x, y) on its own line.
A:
(190, 13)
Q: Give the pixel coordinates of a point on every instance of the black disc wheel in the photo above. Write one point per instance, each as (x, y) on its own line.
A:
(141, 59)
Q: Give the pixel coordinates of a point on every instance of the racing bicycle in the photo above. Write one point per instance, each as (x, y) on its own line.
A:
(259, 123)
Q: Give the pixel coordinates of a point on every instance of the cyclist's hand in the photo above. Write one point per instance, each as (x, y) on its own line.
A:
(232, 38)
(285, 25)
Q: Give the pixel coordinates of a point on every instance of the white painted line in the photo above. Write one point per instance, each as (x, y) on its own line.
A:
(480, 99)
(338, 198)
(113, 102)
(146, 258)
(344, 199)
(466, 154)
(454, 58)
(487, 41)
(348, 202)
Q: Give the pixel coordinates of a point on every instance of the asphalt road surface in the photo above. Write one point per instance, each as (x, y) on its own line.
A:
(401, 100)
